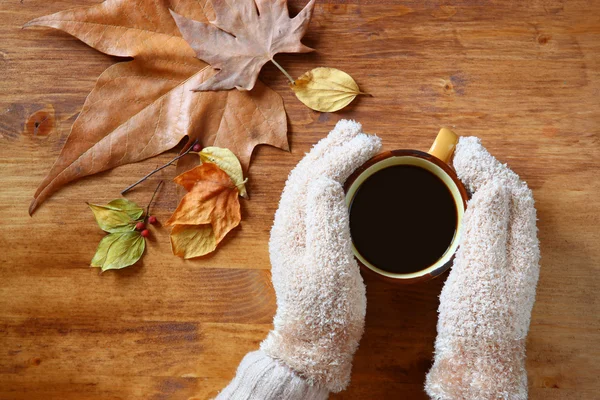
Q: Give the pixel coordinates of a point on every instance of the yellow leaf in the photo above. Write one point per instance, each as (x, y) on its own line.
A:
(228, 162)
(326, 89)
(189, 241)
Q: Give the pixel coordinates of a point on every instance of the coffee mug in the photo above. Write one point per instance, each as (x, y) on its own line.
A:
(406, 209)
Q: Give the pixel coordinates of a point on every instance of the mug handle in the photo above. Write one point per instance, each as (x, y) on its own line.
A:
(444, 144)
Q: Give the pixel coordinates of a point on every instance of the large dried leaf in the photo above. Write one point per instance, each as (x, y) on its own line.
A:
(127, 28)
(211, 202)
(242, 37)
(144, 107)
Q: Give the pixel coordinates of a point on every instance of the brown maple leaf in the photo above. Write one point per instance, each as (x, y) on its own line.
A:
(144, 107)
(209, 210)
(242, 37)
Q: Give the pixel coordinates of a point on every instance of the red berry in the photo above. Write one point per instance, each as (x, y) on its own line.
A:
(197, 147)
(140, 226)
(145, 233)
(152, 220)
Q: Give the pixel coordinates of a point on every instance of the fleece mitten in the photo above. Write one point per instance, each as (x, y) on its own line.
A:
(485, 306)
(321, 299)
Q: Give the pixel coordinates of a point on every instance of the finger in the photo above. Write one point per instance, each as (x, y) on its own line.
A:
(471, 302)
(523, 257)
(476, 167)
(289, 220)
(337, 162)
(341, 161)
(344, 131)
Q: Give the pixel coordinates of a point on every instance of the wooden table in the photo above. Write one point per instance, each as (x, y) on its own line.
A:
(523, 76)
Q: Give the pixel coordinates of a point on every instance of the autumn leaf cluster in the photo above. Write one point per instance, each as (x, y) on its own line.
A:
(187, 56)
(141, 108)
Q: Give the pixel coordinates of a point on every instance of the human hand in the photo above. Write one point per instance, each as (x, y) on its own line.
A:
(485, 306)
(320, 294)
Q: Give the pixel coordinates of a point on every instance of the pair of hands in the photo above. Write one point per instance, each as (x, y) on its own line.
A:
(485, 304)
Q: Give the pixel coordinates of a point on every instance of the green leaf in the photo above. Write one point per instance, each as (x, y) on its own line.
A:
(111, 220)
(102, 250)
(228, 162)
(119, 250)
(132, 209)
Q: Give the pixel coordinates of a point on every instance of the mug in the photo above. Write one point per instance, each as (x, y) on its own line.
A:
(436, 161)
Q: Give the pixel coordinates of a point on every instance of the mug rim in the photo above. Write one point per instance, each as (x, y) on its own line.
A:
(449, 171)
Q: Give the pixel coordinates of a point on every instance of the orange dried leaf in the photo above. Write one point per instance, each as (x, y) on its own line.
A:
(189, 241)
(212, 201)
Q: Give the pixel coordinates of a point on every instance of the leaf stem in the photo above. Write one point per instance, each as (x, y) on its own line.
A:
(127, 189)
(283, 70)
(152, 198)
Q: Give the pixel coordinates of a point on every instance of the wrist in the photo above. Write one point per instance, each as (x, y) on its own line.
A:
(262, 377)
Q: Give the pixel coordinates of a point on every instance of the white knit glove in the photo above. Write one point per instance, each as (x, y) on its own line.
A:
(486, 303)
(321, 299)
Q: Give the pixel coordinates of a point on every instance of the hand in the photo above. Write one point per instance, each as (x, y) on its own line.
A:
(320, 294)
(485, 306)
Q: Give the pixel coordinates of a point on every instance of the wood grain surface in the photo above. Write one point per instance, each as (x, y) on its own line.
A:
(523, 76)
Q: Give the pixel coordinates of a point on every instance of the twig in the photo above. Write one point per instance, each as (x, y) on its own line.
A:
(283, 70)
(127, 189)
(152, 198)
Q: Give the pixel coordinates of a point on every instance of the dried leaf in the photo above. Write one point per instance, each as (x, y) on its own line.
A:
(326, 89)
(111, 220)
(242, 37)
(119, 250)
(189, 241)
(144, 107)
(228, 162)
(212, 201)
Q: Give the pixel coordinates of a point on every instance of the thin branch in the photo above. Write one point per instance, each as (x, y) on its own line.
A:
(152, 198)
(127, 189)
(283, 70)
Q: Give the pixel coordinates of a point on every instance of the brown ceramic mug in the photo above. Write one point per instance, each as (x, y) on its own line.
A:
(435, 161)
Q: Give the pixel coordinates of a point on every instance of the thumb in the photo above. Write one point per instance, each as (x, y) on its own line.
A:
(338, 291)
(327, 223)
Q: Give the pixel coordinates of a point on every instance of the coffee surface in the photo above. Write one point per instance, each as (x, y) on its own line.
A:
(402, 219)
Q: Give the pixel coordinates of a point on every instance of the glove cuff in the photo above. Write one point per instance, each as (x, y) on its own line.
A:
(259, 377)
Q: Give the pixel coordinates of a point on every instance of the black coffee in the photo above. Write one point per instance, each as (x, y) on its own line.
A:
(402, 219)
